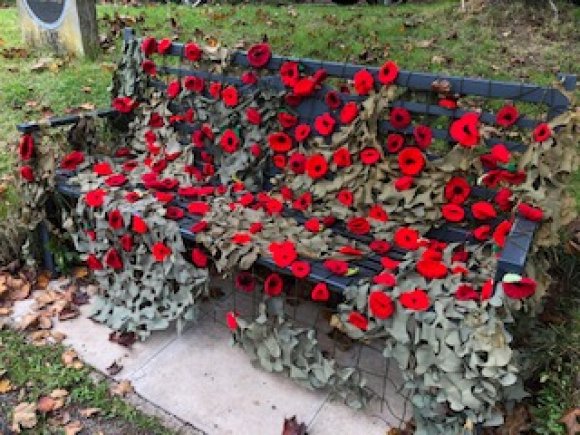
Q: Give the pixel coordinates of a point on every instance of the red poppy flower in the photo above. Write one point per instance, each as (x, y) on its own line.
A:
(230, 96)
(249, 78)
(280, 142)
(320, 292)
(389, 263)
(423, 136)
(358, 225)
(319, 76)
(194, 84)
(415, 300)
(301, 132)
(482, 232)
(357, 320)
(324, 124)
(199, 227)
(507, 116)
(377, 212)
(328, 221)
(338, 267)
(364, 82)
(332, 100)
(215, 89)
(465, 130)
(350, 250)
(26, 147)
(349, 112)
(198, 207)
(126, 242)
(138, 225)
(431, 269)
(115, 180)
(395, 142)
(297, 163)
(385, 278)
(342, 157)
(457, 190)
(116, 220)
(369, 156)
(130, 165)
(283, 253)
(316, 166)
(345, 197)
(300, 269)
(521, 289)
(199, 258)
(287, 120)
(411, 161)
(404, 183)
(273, 206)
(453, 212)
(388, 73)
(303, 201)
(160, 251)
(149, 67)
(192, 52)
(231, 321)
(487, 290)
(304, 87)
(256, 227)
(173, 89)
(122, 152)
(149, 46)
(241, 238)
(245, 282)
(229, 141)
(113, 259)
(279, 161)
(399, 117)
(27, 173)
(92, 235)
(95, 198)
(289, 73)
(381, 305)
(259, 55)
(380, 247)
(447, 103)
(273, 285)
(466, 293)
(124, 104)
(501, 232)
(483, 210)
(164, 46)
(542, 132)
(287, 193)
(312, 225)
(72, 160)
(407, 238)
(174, 213)
(94, 263)
(535, 214)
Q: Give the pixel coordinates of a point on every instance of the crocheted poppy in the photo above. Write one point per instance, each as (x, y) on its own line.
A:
(542, 132)
(350, 250)
(160, 251)
(231, 321)
(273, 206)
(453, 212)
(301, 132)
(304, 87)
(423, 136)
(406, 238)
(385, 278)
(283, 253)
(389, 263)
(404, 183)
(241, 238)
(124, 104)
(289, 73)
(164, 46)
(465, 130)
(113, 259)
(149, 67)
(381, 305)
(279, 161)
(115, 180)
(349, 112)
(342, 157)
(215, 89)
(332, 100)
(465, 292)
(399, 117)
(535, 214)
(256, 227)
(27, 173)
(388, 72)
(500, 153)
(378, 213)
(501, 232)
(93, 262)
(199, 258)
(249, 78)
(149, 45)
(324, 124)
(72, 160)
(483, 210)
(457, 190)
(280, 142)
(411, 161)
(503, 199)
(245, 282)
(482, 232)
(297, 163)
(364, 82)
(173, 89)
(507, 116)
(199, 227)
(253, 116)
(369, 156)
(198, 207)
(345, 197)
(320, 292)
(138, 225)
(192, 52)
(415, 300)
(380, 247)
(300, 269)
(229, 141)
(395, 142)
(116, 220)
(486, 290)
(287, 120)
(431, 269)
(230, 96)
(259, 55)
(273, 285)
(447, 103)
(174, 213)
(95, 198)
(303, 201)
(521, 289)
(316, 166)
(358, 225)
(338, 267)
(312, 225)
(26, 147)
(357, 320)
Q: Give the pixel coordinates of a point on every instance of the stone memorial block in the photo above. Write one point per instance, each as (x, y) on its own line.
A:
(62, 25)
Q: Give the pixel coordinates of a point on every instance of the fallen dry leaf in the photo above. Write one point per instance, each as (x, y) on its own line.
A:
(45, 404)
(425, 43)
(5, 385)
(28, 321)
(70, 358)
(570, 420)
(114, 368)
(89, 412)
(24, 416)
(73, 428)
(122, 388)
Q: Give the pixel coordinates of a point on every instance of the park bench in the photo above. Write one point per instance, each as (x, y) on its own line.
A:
(429, 96)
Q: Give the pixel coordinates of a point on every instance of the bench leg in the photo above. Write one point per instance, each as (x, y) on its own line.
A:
(47, 257)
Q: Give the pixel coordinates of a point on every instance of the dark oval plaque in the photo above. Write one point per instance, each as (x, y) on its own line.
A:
(47, 12)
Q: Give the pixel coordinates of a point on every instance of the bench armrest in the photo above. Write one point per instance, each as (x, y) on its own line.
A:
(57, 121)
(516, 248)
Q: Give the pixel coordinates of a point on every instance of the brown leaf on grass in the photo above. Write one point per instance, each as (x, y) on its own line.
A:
(70, 311)
(89, 412)
(5, 385)
(114, 368)
(293, 427)
(45, 404)
(122, 388)
(14, 53)
(30, 320)
(570, 420)
(425, 43)
(44, 322)
(73, 428)
(126, 339)
(24, 416)
(70, 358)
(43, 279)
